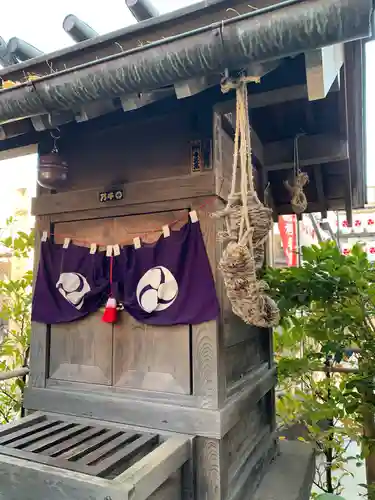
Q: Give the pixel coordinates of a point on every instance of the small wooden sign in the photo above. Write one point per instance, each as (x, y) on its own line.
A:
(113, 195)
(196, 156)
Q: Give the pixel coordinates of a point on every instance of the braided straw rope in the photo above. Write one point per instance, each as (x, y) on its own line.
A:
(298, 198)
(247, 225)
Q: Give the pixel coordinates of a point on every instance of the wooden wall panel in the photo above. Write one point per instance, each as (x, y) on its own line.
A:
(157, 148)
(245, 357)
(245, 433)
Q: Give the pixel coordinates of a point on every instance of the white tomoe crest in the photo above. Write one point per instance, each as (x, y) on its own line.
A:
(73, 287)
(157, 289)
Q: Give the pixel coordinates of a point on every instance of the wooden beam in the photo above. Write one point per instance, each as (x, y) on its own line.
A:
(95, 109)
(194, 86)
(16, 128)
(256, 144)
(52, 120)
(9, 154)
(262, 69)
(272, 97)
(332, 204)
(322, 70)
(151, 471)
(313, 150)
(320, 190)
(136, 101)
(190, 186)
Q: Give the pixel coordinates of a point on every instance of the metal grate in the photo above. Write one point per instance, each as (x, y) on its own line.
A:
(61, 442)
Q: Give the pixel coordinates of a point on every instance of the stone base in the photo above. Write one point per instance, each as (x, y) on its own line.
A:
(291, 475)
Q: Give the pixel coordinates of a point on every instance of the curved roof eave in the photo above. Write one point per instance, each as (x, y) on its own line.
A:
(285, 29)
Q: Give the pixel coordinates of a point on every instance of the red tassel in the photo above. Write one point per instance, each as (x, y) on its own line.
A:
(110, 311)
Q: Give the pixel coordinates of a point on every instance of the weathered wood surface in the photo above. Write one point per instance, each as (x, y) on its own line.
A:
(212, 469)
(151, 472)
(62, 442)
(131, 160)
(136, 193)
(209, 384)
(75, 451)
(252, 469)
(152, 414)
(27, 480)
(313, 150)
(322, 69)
(124, 355)
(221, 478)
(39, 346)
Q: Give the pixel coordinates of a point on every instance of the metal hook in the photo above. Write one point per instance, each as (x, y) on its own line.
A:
(55, 136)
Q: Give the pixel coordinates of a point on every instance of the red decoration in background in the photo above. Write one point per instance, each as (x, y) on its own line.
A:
(357, 223)
(346, 251)
(372, 250)
(345, 223)
(370, 222)
(288, 233)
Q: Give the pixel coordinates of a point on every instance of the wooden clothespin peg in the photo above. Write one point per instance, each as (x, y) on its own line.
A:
(193, 216)
(109, 251)
(66, 243)
(93, 248)
(166, 231)
(44, 236)
(116, 250)
(137, 243)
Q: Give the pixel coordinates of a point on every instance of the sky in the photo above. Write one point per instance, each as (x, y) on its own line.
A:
(39, 22)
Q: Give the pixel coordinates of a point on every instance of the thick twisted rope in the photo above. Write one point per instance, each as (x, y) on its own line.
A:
(298, 197)
(247, 225)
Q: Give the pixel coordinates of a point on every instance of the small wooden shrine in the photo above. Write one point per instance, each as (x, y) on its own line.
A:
(145, 140)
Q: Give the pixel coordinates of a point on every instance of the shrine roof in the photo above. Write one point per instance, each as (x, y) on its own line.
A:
(280, 30)
(302, 51)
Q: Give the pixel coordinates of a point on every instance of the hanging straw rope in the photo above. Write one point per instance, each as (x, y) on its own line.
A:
(247, 225)
(298, 197)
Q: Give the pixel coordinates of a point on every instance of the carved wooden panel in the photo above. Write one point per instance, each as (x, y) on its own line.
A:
(130, 354)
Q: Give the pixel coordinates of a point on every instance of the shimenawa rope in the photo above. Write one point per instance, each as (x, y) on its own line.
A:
(247, 225)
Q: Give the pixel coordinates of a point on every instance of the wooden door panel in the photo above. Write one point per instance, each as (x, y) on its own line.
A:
(151, 358)
(81, 351)
(130, 354)
(147, 357)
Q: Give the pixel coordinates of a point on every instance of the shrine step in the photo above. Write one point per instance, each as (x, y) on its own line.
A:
(55, 457)
(291, 474)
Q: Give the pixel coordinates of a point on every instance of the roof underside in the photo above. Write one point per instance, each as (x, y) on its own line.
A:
(310, 81)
